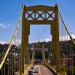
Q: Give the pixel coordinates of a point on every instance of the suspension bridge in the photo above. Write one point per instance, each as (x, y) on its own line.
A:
(15, 60)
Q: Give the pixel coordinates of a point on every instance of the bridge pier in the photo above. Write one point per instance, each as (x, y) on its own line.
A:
(55, 40)
(25, 37)
(25, 56)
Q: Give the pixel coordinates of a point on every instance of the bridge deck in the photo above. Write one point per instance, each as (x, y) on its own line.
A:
(42, 70)
(38, 70)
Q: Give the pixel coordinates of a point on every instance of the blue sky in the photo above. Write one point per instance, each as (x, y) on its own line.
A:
(10, 10)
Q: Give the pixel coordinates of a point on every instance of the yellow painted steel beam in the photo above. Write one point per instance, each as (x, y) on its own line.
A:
(39, 8)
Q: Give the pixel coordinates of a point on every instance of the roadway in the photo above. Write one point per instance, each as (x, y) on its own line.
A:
(41, 70)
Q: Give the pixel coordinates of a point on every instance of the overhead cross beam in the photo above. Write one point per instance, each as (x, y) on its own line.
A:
(40, 15)
(44, 14)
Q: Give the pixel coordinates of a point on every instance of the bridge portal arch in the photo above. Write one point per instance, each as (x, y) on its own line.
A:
(40, 14)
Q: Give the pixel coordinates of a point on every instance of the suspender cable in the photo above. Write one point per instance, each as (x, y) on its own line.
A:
(67, 29)
(33, 54)
(12, 39)
(20, 63)
(8, 64)
(43, 54)
(71, 53)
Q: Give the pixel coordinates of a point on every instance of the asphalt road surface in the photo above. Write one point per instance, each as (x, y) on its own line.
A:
(41, 70)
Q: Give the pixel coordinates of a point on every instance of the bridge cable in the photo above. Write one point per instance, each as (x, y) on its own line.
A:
(12, 39)
(66, 29)
(71, 50)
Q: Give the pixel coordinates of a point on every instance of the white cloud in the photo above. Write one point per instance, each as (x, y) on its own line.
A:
(61, 38)
(48, 39)
(65, 38)
(41, 40)
(4, 26)
(4, 42)
(73, 36)
(17, 42)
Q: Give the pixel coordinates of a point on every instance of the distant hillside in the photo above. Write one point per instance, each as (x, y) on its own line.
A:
(66, 47)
